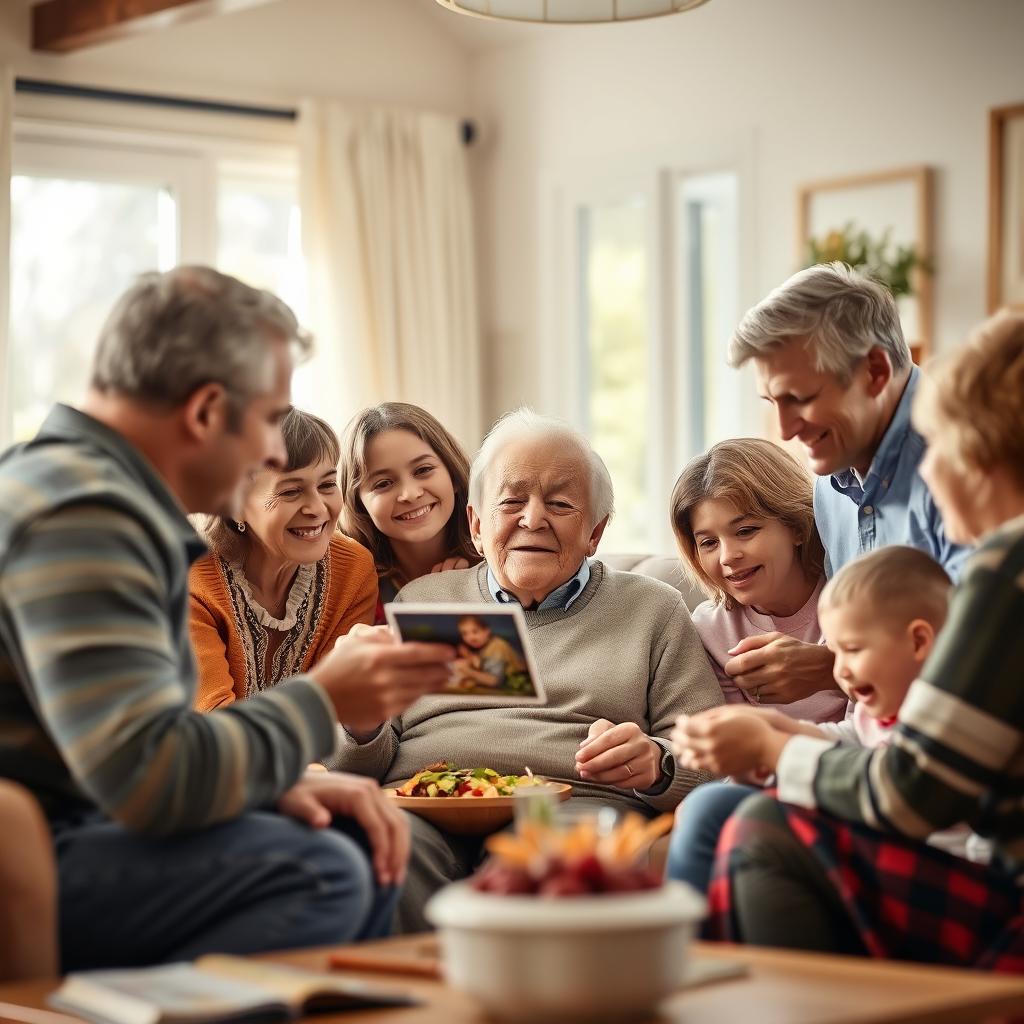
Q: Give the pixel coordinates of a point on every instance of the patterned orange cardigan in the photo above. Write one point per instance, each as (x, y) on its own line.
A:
(346, 587)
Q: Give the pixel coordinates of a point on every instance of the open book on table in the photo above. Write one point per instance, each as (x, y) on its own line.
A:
(214, 988)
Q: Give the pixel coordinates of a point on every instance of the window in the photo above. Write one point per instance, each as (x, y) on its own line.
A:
(655, 263)
(614, 300)
(708, 303)
(91, 212)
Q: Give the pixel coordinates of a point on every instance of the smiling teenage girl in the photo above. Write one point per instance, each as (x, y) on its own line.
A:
(744, 522)
(280, 585)
(404, 480)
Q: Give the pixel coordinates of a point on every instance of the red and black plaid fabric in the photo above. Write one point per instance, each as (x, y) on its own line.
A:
(907, 900)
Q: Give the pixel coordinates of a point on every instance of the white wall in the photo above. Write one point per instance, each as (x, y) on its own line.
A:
(793, 90)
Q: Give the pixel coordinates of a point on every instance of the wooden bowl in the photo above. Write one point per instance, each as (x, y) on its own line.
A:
(469, 815)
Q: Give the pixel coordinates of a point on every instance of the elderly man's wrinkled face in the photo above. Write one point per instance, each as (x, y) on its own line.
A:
(537, 522)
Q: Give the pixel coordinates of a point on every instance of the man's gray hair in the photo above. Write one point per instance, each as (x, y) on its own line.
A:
(842, 313)
(173, 332)
(525, 423)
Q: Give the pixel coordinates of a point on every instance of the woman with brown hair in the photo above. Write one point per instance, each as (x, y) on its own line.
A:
(743, 518)
(280, 585)
(404, 483)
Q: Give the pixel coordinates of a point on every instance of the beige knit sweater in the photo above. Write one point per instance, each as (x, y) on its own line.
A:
(625, 651)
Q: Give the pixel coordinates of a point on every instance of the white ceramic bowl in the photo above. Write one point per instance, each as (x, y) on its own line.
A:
(606, 957)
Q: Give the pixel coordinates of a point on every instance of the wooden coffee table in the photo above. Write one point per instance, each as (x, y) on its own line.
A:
(779, 988)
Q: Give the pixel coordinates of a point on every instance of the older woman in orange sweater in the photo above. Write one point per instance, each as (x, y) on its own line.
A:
(280, 585)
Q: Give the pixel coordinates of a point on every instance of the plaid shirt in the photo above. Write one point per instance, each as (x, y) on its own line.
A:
(958, 751)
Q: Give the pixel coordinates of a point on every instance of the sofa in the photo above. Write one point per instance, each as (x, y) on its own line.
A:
(666, 568)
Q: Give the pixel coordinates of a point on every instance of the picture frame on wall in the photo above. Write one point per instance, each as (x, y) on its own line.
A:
(1006, 208)
(892, 204)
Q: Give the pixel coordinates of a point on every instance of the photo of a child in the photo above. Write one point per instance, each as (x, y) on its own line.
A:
(484, 659)
(491, 643)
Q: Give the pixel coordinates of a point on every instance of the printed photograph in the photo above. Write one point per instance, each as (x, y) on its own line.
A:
(493, 653)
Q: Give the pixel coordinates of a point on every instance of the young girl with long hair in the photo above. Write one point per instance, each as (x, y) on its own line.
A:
(404, 482)
(743, 518)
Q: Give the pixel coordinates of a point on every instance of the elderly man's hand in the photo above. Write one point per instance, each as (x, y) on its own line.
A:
(318, 796)
(619, 755)
(730, 740)
(776, 669)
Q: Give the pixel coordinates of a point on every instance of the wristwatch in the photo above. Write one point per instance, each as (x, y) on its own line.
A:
(667, 764)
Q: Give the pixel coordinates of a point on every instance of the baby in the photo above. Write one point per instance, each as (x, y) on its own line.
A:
(484, 659)
(880, 615)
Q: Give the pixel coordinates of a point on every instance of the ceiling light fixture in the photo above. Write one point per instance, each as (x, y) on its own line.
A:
(569, 12)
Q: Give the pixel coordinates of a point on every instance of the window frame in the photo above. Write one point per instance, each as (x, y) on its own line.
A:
(182, 151)
(672, 439)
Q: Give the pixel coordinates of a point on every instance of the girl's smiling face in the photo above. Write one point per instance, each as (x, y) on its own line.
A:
(754, 561)
(294, 514)
(407, 490)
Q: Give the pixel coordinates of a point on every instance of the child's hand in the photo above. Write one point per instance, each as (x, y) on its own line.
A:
(732, 740)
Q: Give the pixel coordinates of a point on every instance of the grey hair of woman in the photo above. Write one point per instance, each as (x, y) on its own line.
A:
(841, 312)
(524, 423)
(170, 333)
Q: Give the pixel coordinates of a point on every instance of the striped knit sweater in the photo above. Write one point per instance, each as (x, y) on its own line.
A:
(97, 676)
(957, 753)
(625, 650)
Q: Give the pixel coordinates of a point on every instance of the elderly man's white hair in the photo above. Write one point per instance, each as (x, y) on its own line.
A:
(525, 423)
(843, 313)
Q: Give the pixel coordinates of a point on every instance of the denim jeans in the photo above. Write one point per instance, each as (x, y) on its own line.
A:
(699, 821)
(261, 882)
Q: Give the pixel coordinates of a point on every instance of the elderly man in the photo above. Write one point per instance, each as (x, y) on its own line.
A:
(617, 652)
(832, 361)
(178, 833)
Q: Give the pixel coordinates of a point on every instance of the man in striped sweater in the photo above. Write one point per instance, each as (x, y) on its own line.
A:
(178, 833)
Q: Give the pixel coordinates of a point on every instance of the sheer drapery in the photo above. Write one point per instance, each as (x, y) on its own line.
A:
(6, 141)
(388, 237)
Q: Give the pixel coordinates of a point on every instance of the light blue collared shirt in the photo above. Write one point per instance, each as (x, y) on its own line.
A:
(892, 506)
(561, 597)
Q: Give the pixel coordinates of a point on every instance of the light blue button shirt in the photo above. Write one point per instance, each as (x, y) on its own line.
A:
(561, 597)
(892, 505)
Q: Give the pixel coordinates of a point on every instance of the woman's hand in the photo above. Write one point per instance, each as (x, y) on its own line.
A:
(450, 563)
(776, 669)
(318, 796)
(619, 755)
(370, 676)
(731, 740)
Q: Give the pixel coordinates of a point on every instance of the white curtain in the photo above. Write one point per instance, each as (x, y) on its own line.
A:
(388, 237)
(6, 142)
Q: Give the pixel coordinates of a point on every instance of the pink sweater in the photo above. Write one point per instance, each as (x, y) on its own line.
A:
(721, 629)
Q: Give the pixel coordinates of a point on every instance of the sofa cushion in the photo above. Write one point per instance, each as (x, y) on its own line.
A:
(665, 568)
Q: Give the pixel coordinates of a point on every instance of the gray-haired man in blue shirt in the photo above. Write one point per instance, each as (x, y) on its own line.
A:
(832, 360)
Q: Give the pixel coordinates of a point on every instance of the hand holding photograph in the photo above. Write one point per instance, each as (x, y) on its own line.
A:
(494, 660)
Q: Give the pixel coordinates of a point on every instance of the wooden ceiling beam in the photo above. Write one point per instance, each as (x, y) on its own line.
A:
(60, 26)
